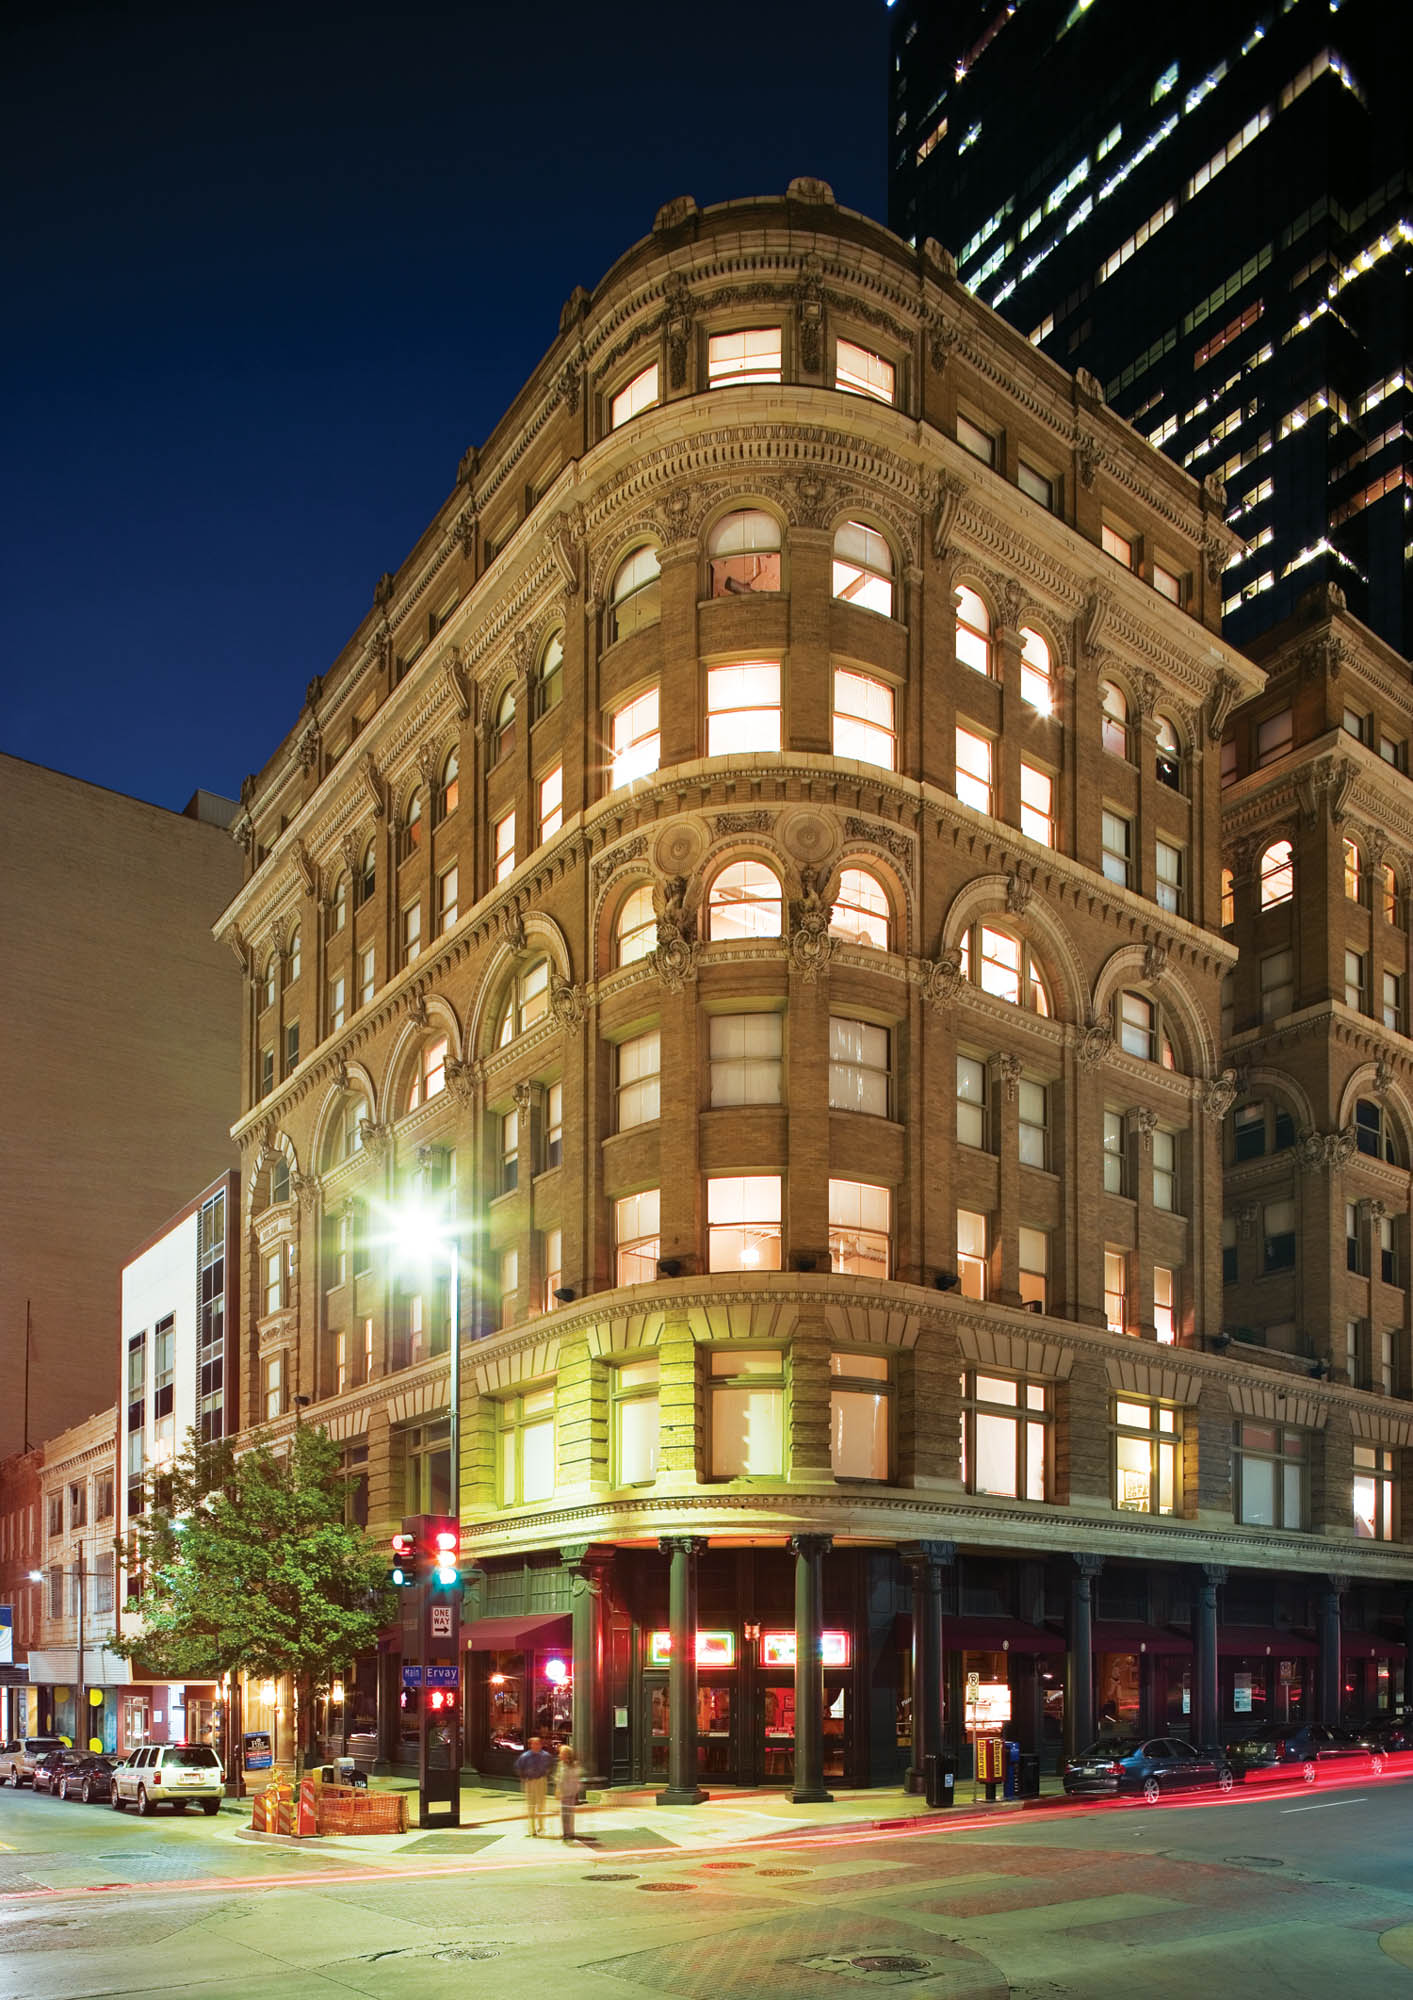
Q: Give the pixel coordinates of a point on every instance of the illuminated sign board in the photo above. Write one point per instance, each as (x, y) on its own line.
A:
(989, 1704)
(777, 1649)
(714, 1649)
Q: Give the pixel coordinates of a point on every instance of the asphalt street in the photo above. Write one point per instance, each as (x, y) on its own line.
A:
(1297, 1894)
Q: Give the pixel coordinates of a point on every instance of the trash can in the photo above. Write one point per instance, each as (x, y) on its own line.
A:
(939, 1776)
(1028, 1777)
(1010, 1783)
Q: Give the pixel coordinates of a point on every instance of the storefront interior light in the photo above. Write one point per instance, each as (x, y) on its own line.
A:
(556, 1673)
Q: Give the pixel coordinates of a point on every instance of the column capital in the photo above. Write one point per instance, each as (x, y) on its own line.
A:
(687, 1545)
(940, 1554)
(1213, 1574)
(810, 1545)
(1336, 1583)
(1088, 1565)
(587, 1564)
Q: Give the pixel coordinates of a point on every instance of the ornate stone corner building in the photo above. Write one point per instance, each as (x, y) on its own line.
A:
(756, 869)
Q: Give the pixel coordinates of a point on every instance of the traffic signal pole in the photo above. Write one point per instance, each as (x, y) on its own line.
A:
(437, 1604)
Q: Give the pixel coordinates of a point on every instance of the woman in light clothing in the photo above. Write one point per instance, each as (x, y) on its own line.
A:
(570, 1786)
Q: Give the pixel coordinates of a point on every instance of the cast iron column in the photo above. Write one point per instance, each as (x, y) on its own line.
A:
(1205, 1711)
(809, 1552)
(682, 1786)
(1331, 1689)
(926, 1560)
(588, 1568)
(1079, 1691)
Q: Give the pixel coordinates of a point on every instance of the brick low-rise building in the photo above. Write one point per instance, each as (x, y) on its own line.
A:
(755, 874)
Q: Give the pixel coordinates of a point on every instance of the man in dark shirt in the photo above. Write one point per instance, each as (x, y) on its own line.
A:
(532, 1767)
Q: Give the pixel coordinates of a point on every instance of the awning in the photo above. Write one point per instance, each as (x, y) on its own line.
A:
(509, 1635)
(1370, 1646)
(1261, 1640)
(1110, 1637)
(982, 1635)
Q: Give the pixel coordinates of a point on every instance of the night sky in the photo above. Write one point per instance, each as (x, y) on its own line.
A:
(270, 271)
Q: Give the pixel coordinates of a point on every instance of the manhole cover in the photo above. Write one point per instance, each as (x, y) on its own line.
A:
(465, 1951)
(878, 1961)
(726, 1864)
(873, 1968)
(611, 1876)
(663, 1887)
(784, 1871)
(1252, 1861)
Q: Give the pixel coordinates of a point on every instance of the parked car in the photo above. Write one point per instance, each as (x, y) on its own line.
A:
(1271, 1747)
(1145, 1767)
(88, 1778)
(22, 1753)
(49, 1770)
(170, 1774)
(1388, 1733)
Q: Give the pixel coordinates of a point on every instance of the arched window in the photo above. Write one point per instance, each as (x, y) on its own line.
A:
(549, 680)
(1168, 754)
(1258, 1128)
(635, 597)
(863, 568)
(1003, 965)
(526, 1002)
(345, 1134)
(1373, 1132)
(339, 915)
(1353, 872)
(744, 552)
(1113, 718)
(973, 631)
(368, 872)
(860, 913)
(635, 929)
(744, 902)
(1277, 874)
(1036, 670)
(1142, 1030)
(294, 959)
(503, 732)
(270, 981)
(279, 1179)
(449, 784)
(429, 1077)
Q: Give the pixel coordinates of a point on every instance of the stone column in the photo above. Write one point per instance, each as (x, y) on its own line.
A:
(588, 1572)
(1331, 1687)
(925, 1560)
(809, 1552)
(682, 1787)
(1205, 1728)
(1079, 1663)
(389, 1713)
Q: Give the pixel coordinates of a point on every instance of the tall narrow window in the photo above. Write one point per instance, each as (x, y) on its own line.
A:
(859, 1412)
(858, 1067)
(551, 803)
(636, 594)
(1033, 1124)
(447, 897)
(1147, 1447)
(973, 631)
(639, 1077)
(971, 1253)
(860, 1228)
(635, 1237)
(505, 847)
(411, 933)
(971, 1102)
(549, 681)
(974, 770)
(1037, 816)
(635, 931)
(747, 1058)
(1117, 848)
(1228, 899)
(448, 786)
(553, 1144)
(1034, 1267)
(1353, 872)
(863, 719)
(635, 743)
(1274, 737)
(1113, 718)
(743, 708)
(1168, 756)
(1375, 1491)
(1115, 1177)
(636, 1421)
(1165, 1187)
(863, 568)
(1036, 669)
(1277, 984)
(860, 913)
(336, 1002)
(1116, 1291)
(1169, 885)
(743, 552)
(1356, 981)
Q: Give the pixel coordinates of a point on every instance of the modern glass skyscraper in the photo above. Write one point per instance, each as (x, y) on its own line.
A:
(1209, 208)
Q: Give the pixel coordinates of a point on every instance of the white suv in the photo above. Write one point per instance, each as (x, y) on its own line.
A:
(172, 1774)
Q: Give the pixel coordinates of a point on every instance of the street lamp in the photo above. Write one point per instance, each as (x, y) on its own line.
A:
(81, 1705)
(423, 1237)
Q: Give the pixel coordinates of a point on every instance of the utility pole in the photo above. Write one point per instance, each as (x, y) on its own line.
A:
(81, 1730)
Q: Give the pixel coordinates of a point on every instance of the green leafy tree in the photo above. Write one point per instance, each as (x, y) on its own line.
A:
(248, 1564)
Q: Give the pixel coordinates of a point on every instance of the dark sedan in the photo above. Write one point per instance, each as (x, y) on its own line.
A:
(1272, 1748)
(89, 1779)
(51, 1768)
(1149, 1767)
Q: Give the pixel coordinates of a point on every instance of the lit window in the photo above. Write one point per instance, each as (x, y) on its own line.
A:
(863, 719)
(635, 931)
(1168, 888)
(336, 1002)
(1036, 486)
(1277, 874)
(1116, 545)
(859, 1399)
(860, 1224)
(549, 680)
(1113, 718)
(505, 848)
(1115, 1154)
(274, 1387)
(863, 568)
(743, 708)
(1147, 1446)
(1168, 756)
(295, 957)
(1116, 1291)
(634, 742)
(1375, 1493)
(747, 1414)
(973, 633)
(526, 1003)
(752, 355)
(1005, 1436)
(1034, 1267)
(971, 1102)
(971, 1253)
(636, 396)
(858, 1067)
(1034, 1123)
(275, 1280)
(636, 1422)
(635, 599)
(1390, 900)
(744, 902)
(860, 913)
(525, 1442)
(1117, 835)
(971, 437)
(448, 790)
(744, 552)
(554, 1267)
(1277, 984)
(974, 770)
(1228, 899)
(743, 1222)
(429, 1077)
(551, 802)
(345, 1134)
(638, 1080)
(409, 839)
(1003, 966)
(1138, 1026)
(1166, 584)
(503, 731)
(1272, 1484)
(746, 1058)
(1035, 671)
(1165, 1188)
(1353, 872)
(1274, 737)
(1037, 789)
(447, 897)
(411, 933)
(1356, 981)
(267, 1071)
(635, 1237)
(862, 372)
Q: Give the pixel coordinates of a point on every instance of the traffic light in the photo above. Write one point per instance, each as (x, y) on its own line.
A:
(444, 1549)
(403, 1573)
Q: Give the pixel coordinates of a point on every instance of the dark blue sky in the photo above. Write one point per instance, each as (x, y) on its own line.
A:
(271, 270)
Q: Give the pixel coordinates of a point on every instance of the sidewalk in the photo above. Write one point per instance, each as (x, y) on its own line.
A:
(624, 1821)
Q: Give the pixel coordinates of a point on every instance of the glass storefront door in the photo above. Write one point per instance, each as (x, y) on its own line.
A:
(778, 1717)
(716, 1749)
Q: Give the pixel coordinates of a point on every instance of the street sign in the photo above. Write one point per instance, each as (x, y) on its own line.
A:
(441, 1621)
(973, 1683)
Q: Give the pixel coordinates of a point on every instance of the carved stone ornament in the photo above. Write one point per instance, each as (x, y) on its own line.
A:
(376, 1138)
(462, 1080)
(1326, 1152)
(942, 979)
(240, 949)
(1095, 1043)
(512, 928)
(1383, 1075)
(812, 500)
(892, 839)
(804, 187)
(1090, 455)
(1089, 385)
(1007, 1071)
(1098, 607)
(1155, 962)
(566, 1001)
(677, 326)
(942, 338)
(1018, 895)
(724, 824)
(1371, 1209)
(383, 590)
(938, 254)
(372, 784)
(674, 213)
(1217, 551)
(524, 1096)
(609, 864)
(308, 873)
(1225, 689)
(1340, 786)
(463, 529)
(946, 500)
(310, 744)
(809, 308)
(467, 465)
(559, 543)
(674, 960)
(811, 946)
(1146, 1124)
(1010, 604)
(1219, 1095)
(307, 1189)
(417, 1011)
(571, 377)
(1150, 689)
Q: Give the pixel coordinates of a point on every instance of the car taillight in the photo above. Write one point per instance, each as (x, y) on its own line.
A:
(1282, 1748)
(1116, 1770)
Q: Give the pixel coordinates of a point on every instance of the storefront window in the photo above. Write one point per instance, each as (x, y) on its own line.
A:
(505, 1701)
(1116, 1694)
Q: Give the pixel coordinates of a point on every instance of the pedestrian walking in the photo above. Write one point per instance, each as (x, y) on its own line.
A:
(570, 1787)
(532, 1768)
